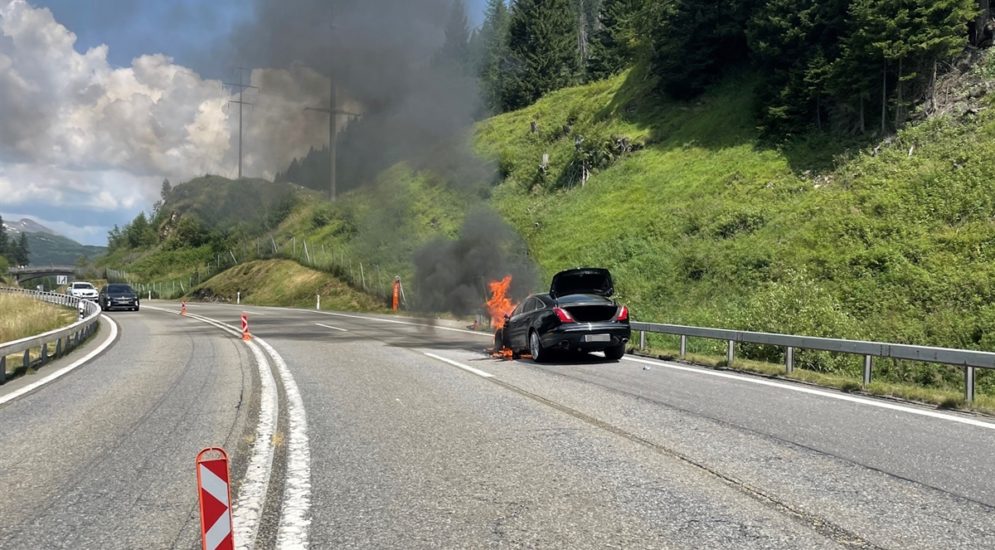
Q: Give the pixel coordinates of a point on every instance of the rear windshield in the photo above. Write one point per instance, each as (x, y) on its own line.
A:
(119, 288)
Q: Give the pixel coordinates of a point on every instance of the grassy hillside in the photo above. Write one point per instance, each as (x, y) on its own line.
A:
(284, 283)
(707, 224)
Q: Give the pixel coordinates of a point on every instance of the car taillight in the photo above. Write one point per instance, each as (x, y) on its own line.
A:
(563, 315)
(623, 314)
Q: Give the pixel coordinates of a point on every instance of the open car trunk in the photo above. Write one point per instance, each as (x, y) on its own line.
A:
(584, 280)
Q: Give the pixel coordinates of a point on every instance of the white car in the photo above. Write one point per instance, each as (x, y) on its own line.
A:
(83, 290)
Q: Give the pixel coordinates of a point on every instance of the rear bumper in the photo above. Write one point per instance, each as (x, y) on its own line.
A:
(587, 336)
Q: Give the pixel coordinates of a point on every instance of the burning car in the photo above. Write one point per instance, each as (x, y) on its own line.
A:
(577, 314)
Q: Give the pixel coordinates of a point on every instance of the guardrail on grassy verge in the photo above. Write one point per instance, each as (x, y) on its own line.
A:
(72, 335)
(967, 359)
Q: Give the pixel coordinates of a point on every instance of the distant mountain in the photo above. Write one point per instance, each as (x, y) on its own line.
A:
(26, 225)
(46, 247)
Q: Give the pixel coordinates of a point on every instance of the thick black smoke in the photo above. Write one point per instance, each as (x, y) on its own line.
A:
(383, 58)
(379, 55)
(452, 275)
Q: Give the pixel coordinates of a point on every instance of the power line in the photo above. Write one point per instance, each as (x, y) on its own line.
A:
(241, 90)
(333, 131)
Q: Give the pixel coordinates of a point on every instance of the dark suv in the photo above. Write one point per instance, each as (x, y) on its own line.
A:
(118, 296)
(577, 314)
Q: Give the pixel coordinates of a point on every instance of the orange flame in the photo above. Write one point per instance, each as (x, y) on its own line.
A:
(499, 305)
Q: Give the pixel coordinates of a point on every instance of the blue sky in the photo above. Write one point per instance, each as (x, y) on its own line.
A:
(183, 29)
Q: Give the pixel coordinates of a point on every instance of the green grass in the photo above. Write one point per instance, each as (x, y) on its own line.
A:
(707, 224)
(284, 283)
(943, 398)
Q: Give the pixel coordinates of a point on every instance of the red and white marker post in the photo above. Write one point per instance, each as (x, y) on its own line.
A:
(214, 492)
(245, 327)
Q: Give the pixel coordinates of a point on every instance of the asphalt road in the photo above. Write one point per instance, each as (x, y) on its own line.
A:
(391, 433)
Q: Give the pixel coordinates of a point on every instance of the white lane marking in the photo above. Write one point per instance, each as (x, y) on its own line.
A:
(460, 365)
(66, 370)
(295, 522)
(393, 321)
(251, 499)
(821, 393)
(331, 327)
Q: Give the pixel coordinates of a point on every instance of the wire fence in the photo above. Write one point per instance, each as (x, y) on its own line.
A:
(369, 278)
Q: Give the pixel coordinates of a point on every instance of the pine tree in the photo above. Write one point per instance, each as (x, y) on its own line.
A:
(543, 56)
(694, 41)
(493, 53)
(21, 253)
(4, 239)
(794, 43)
(455, 52)
(614, 42)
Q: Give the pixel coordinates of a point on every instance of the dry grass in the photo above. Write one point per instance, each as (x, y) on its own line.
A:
(941, 398)
(21, 317)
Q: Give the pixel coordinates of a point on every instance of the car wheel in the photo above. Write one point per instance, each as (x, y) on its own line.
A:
(535, 347)
(615, 353)
(499, 340)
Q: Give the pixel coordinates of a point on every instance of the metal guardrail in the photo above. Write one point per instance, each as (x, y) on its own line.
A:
(64, 339)
(967, 359)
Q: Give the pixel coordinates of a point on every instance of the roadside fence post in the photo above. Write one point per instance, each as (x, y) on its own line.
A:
(868, 363)
(730, 353)
(642, 339)
(684, 345)
(969, 384)
(789, 360)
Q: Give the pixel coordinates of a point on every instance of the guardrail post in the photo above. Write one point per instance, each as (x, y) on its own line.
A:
(58, 348)
(789, 360)
(730, 352)
(642, 339)
(868, 363)
(3, 369)
(969, 384)
(44, 353)
(684, 345)
(26, 362)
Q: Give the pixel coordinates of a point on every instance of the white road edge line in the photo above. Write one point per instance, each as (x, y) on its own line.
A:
(67, 369)
(393, 321)
(467, 368)
(295, 521)
(331, 327)
(248, 508)
(822, 393)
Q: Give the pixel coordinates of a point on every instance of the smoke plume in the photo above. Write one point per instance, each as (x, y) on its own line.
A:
(378, 54)
(382, 58)
(452, 275)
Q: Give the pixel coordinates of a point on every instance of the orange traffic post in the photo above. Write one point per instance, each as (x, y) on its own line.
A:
(395, 299)
(245, 327)
(214, 495)
(183, 308)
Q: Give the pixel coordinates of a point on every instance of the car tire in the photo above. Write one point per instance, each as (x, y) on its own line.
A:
(615, 353)
(535, 347)
(499, 340)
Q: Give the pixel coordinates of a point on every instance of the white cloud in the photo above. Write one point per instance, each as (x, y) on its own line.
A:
(74, 130)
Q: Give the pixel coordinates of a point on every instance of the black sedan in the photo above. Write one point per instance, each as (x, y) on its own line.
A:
(118, 296)
(577, 315)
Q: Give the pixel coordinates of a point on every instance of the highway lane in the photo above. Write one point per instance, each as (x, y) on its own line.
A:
(416, 439)
(104, 456)
(411, 451)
